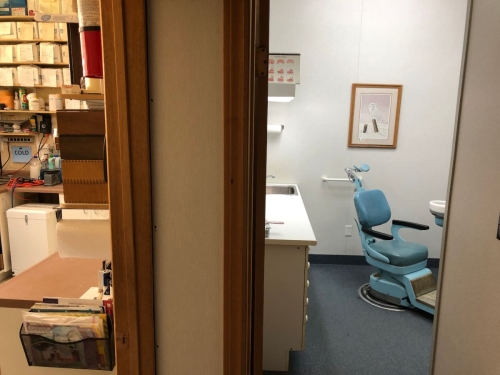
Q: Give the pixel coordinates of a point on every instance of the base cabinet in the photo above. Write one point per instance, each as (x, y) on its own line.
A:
(285, 303)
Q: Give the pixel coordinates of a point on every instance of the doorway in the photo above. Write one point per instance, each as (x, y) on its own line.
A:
(365, 42)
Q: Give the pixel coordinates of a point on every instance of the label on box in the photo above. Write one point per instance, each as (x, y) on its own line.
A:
(18, 11)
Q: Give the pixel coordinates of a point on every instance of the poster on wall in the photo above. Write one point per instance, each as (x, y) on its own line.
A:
(284, 68)
(374, 116)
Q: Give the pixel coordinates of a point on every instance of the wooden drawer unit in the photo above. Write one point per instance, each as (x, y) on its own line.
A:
(82, 145)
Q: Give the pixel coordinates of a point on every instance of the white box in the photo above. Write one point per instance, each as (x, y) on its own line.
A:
(29, 76)
(47, 30)
(9, 77)
(49, 6)
(62, 28)
(27, 31)
(69, 7)
(50, 53)
(52, 77)
(8, 53)
(32, 234)
(28, 52)
(65, 53)
(8, 30)
(66, 76)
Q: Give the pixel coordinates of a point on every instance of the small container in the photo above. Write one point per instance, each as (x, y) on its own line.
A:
(23, 99)
(34, 104)
(17, 103)
(35, 168)
(57, 161)
(33, 124)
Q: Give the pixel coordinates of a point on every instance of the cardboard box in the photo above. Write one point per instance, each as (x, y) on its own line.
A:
(27, 30)
(29, 76)
(32, 7)
(28, 52)
(18, 7)
(4, 8)
(52, 77)
(8, 30)
(49, 6)
(65, 53)
(62, 31)
(8, 77)
(47, 30)
(8, 53)
(50, 53)
(69, 7)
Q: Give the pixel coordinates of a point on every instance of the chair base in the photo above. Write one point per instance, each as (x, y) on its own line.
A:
(398, 289)
(367, 294)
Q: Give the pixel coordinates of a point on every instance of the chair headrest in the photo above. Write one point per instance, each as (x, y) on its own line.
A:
(372, 208)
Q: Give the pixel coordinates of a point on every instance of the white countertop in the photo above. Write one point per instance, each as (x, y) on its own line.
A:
(290, 209)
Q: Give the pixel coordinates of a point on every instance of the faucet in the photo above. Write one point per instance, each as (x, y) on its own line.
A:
(271, 175)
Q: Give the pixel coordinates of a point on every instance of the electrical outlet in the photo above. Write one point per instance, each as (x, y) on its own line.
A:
(18, 139)
(348, 230)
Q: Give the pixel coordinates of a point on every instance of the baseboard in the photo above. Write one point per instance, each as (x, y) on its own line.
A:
(354, 260)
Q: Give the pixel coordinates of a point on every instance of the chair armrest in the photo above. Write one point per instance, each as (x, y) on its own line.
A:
(409, 224)
(374, 233)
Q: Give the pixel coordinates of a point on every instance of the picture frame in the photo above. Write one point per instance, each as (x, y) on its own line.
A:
(374, 118)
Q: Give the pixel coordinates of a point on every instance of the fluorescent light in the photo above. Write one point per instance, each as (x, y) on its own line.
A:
(280, 92)
(274, 128)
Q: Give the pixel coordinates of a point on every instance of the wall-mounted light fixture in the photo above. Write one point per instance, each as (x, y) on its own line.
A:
(275, 128)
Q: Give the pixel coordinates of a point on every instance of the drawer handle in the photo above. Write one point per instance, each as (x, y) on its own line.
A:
(306, 319)
(307, 301)
(308, 265)
(307, 283)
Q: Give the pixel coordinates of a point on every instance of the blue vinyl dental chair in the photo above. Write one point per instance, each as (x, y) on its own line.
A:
(402, 278)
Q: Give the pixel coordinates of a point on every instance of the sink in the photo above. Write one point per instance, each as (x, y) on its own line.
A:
(437, 209)
(282, 189)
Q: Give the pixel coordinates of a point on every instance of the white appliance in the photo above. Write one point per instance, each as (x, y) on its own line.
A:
(32, 234)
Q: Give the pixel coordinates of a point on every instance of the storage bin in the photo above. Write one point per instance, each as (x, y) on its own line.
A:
(89, 353)
(32, 234)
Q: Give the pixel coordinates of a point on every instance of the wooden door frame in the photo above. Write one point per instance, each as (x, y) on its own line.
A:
(246, 41)
(124, 38)
(124, 43)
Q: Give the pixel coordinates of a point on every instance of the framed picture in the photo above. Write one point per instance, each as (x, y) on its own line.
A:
(374, 115)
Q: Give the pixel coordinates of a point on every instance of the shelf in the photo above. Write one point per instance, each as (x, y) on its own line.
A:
(5, 111)
(32, 63)
(83, 96)
(20, 41)
(17, 18)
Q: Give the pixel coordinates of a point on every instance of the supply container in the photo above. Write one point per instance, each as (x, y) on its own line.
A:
(32, 234)
(35, 168)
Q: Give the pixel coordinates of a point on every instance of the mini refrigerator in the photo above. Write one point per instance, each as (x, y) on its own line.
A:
(32, 234)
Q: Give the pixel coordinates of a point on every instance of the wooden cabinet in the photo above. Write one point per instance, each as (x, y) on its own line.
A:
(285, 303)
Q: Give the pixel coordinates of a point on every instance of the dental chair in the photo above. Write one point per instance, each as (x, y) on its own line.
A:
(402, 278)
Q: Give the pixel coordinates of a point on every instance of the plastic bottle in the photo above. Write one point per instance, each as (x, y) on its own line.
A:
(17, 103)
(52, 162)
(35, 168)
(57, 161)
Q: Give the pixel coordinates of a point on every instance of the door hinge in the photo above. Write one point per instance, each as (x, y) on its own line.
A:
(261, 59)
(121, 340)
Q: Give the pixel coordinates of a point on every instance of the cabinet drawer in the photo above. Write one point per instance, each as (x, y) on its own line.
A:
(81, 122)
(81, 147)
(100, 214)
(70, 214)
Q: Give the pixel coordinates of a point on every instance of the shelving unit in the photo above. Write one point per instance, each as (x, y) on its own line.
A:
(20, 41)
(83, 96)
(26, 111)
(32, 63)
(17, 18)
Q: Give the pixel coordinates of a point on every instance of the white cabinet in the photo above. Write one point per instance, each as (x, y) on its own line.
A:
(285, 303)
(78, 214)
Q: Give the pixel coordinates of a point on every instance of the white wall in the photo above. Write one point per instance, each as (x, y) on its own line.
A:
(416, 43)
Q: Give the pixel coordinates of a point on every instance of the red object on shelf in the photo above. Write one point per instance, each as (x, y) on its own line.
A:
(91, 53)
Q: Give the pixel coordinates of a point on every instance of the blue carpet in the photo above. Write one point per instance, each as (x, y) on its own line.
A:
(347, 336)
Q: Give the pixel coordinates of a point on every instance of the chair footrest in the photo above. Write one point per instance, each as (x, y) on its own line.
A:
(428, 299)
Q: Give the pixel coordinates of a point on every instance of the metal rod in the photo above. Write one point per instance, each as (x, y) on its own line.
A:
(328, 179)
